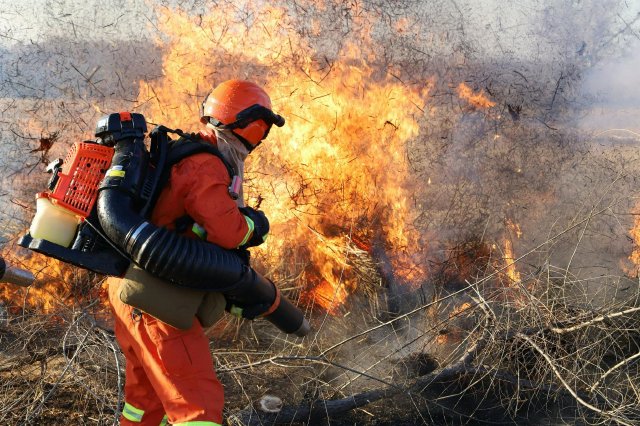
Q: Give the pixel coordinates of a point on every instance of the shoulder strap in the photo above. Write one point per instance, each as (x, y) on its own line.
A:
(187, 146)
(167, 153)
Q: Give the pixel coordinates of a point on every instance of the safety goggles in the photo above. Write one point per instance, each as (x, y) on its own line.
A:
(247, 116)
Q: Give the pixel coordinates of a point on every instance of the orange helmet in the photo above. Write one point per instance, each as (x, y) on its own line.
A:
(242, 107)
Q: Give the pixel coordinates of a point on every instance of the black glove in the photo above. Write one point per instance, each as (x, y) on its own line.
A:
(261, 226)
(244, 255)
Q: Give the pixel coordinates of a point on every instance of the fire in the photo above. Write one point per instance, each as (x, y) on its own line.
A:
(478, 100)
(442, 339)
(328, 296)
(511, 272)
(331, 269)
(634, 257)
(459, 310)
(57, 284)
(339, 165)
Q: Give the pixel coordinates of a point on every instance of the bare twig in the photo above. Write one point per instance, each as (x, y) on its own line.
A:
(566, 385)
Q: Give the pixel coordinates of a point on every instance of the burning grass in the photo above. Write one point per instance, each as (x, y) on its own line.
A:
(457, 246)
(472, 339)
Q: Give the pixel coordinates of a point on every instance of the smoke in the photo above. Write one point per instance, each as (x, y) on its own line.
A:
(611, 90)
(75, 50)
(616, 83)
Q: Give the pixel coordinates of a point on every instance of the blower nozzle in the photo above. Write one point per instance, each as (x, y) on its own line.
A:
(13, 275)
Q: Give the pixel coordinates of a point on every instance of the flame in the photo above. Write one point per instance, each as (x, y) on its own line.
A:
(511, 271)
(328, 296)
(478, 100)
(331, 269)
(442, 339)
(459, 310)
(58, 284)
(514, 278)
(634, 257)
(338, 167)
(515, 228)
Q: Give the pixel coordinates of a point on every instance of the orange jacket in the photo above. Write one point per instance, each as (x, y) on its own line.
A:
(198, 187)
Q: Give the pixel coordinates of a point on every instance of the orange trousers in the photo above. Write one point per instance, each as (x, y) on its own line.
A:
(169, 372)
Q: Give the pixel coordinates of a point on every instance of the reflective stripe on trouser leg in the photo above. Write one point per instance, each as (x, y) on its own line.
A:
(132, 413)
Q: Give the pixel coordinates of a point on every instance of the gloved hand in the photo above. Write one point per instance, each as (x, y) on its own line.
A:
(244, 255)
(261, 226)
(246, 311)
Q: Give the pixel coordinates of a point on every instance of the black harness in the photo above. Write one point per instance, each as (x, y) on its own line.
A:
(189, 145)
(166, 153)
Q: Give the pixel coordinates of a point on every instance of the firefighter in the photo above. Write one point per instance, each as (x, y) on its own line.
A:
(170, 377)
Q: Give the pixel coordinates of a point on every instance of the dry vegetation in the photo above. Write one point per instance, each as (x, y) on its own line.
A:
(467, 342)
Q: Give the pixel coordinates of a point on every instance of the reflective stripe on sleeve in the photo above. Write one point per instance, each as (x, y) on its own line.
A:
(132, 413)
(199, 231)
(251, 226)
(197, 423)
(165, 421)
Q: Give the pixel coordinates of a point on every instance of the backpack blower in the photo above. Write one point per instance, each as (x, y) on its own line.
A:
(95, 215)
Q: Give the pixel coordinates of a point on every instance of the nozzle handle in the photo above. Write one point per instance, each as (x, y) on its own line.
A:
(278, 120)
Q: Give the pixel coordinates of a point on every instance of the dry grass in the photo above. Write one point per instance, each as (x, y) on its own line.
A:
(461, 343)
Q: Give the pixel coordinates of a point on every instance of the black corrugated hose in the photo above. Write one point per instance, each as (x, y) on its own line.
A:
(184, 261)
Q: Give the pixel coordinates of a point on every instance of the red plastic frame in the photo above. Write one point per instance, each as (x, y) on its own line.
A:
(83, 169)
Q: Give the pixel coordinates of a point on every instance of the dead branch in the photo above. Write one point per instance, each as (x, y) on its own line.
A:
(622, 363)
(610, 414)
(321, 409)
(593, 321)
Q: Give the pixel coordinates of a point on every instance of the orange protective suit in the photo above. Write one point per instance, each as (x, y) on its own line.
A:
(169, 372)
(199, 187)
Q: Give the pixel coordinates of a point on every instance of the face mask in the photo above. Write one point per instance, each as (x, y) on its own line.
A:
(235, 153)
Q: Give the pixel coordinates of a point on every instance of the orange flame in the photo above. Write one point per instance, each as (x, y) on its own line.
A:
(511, 272)
(634, 257)
(478, 100)
(459, 310)
(340, 162)
(57, 284)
